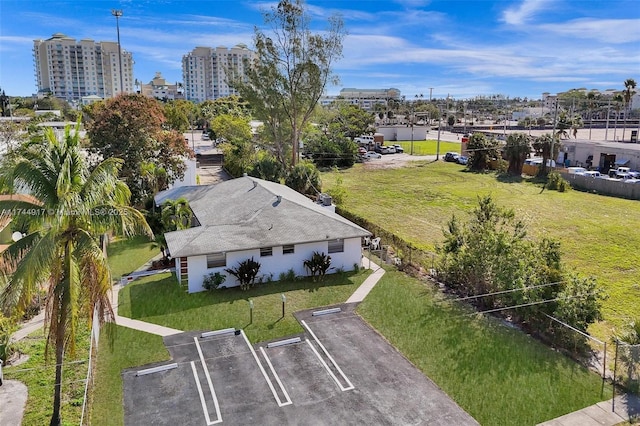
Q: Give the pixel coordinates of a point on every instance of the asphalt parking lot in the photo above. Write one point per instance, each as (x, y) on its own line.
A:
(340, 371)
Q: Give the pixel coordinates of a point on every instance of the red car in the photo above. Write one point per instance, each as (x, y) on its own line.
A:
(362, 151)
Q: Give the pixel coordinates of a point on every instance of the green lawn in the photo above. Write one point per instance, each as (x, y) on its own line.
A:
(125, 256)
(497, 374)
(120, 348)
(598, 234)
(39, 377)
(429, 147)
(158, 299)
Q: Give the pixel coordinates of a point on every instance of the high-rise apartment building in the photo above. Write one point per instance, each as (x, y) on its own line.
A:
(204, 71)
(70, 69)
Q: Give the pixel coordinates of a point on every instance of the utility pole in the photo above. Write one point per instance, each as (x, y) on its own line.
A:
(430, 93)
(118, 13)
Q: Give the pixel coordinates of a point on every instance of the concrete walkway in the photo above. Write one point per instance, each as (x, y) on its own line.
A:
(627, 407)
(368, 284)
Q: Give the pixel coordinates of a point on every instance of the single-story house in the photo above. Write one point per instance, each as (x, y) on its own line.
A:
(248, 218)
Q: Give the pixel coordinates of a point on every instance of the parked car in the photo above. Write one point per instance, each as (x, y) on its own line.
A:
(378, 149)
(398, 148)
(362, 150)
(590, 173)
(390, 149)
(462, 159)
(451, 157)
(372, 154)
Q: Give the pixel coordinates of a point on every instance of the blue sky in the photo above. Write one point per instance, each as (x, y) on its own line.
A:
(458, 48)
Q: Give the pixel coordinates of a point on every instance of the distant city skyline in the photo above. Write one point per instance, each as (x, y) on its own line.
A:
(462, 49)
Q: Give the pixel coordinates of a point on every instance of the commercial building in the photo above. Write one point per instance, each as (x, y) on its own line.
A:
(365, 98)
(204, 71)
(70, 69)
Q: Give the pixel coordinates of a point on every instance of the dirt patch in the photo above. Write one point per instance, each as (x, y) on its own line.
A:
(395, 161)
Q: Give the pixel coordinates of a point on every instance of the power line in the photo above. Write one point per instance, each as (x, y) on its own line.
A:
(504, 291)
(530, 304)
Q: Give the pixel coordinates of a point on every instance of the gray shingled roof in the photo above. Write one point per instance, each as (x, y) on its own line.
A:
(249, 213)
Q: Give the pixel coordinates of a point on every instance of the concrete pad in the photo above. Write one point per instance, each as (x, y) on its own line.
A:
(602, 417)
(13, 398)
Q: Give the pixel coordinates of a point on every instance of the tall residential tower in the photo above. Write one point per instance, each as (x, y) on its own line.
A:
(204, 71)
(70, 69)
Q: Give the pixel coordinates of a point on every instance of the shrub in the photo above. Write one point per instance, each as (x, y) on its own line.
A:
(7, 328)
(290, 275)
(213, 281)
(318, 264)
(556, 182)
(245, 272)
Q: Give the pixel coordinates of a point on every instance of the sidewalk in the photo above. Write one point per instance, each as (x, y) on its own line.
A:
(626, 407)
(368, 284)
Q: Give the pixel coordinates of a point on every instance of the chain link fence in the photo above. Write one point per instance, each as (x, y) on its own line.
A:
(626, 369)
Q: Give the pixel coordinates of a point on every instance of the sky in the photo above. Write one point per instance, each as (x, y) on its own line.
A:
(462, 49)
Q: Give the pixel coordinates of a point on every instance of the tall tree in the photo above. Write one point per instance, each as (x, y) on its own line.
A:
(482, 151)
(292, 69)
(70, 208)
(548, 147)
(130, 127)
(629, 86)
(517, 149)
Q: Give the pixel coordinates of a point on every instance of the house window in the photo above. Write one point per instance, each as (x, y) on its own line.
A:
(336, 246)
(216, 260)
(288, 249)
(266, 251)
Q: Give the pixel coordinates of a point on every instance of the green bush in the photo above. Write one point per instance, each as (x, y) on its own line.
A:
(213, 281)
(7, 328)
(556, 182)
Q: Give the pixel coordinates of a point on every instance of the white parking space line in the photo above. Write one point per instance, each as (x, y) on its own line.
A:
(264, 373)
(202, 401)
(273, 371)
(346, 379)
(208, 376)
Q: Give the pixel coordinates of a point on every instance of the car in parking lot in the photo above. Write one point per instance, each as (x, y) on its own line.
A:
(362, 150)
(389, 149)
(462, 159)
(398, 148)
(451, 157)
(372, 154)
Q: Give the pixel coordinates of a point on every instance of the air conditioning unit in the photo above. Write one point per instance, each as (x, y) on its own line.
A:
(325, 199)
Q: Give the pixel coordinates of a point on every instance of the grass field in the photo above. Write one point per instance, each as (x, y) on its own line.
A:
(160, 300)
(599, 235)
(125, 256)
(497, 374)
(429, 147)
(39, 377)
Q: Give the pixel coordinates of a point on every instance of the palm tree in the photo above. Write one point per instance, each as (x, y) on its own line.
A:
(628, 93)
(70, 208)
(176, 214)
(516, 149)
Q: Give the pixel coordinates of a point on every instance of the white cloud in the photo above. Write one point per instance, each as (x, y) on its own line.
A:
(613, 31)
(524, 12)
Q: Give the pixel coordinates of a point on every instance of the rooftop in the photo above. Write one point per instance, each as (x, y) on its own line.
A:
(248, 213)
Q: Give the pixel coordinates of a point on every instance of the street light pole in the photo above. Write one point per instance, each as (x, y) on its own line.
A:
(118, 13)
(439, 120)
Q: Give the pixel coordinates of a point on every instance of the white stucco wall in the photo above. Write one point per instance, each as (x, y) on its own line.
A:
(276, 264)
